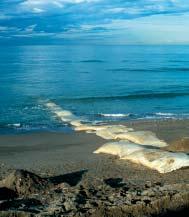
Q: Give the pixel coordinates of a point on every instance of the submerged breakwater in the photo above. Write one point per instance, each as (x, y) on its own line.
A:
(142, 147)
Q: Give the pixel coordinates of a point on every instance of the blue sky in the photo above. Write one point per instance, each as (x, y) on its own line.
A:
(94, 21)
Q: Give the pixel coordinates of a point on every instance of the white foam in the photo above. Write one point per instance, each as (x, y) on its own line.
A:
(157, 159)
(14, 125)
(164, 114)
(115, 115)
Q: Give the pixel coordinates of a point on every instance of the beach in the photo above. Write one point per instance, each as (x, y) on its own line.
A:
(94, 108)
(94, 131)
(53, 154)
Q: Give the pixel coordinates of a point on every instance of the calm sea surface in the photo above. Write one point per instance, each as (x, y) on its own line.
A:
(98, 83)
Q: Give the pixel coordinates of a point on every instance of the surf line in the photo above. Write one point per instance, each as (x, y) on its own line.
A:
(141, 147)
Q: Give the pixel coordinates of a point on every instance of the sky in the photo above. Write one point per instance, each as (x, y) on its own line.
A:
(94, 22)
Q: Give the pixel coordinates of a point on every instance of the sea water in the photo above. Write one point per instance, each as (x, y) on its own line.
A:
(94, 83)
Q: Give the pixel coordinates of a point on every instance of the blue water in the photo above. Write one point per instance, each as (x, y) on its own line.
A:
(94, 82)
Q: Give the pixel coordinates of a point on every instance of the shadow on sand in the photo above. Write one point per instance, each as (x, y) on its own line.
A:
(71, 178)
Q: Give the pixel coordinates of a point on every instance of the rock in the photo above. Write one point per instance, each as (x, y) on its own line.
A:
(115, 182)
(24, 204)
(111, 198)
(69, 205)
(138, 192)
(149, 193)
(16, 214)
(158, 184)
(7, 194)
(87, 205)
(24, 183)
(148, 184)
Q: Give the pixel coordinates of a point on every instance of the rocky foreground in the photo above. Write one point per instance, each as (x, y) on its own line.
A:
(23, 193)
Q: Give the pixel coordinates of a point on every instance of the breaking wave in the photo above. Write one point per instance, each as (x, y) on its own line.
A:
(115, 115)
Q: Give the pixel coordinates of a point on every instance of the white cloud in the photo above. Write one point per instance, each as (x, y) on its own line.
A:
(116, 10)
(40, 6)
(38, 10)
(57, 3)
(34, 34)
(34, 4)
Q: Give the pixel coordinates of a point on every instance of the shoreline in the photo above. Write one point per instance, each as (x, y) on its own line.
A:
(55, 154)
(53, 149)
(67, 128)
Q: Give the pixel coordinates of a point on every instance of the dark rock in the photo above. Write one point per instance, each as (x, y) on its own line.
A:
(92, 191)
(148, 184)
(147, 201)
(7, 194)
(115, 182)
(23, 204)
(158, 184)
(80, 199)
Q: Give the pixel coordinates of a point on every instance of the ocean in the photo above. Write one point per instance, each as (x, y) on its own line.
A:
(95, 83)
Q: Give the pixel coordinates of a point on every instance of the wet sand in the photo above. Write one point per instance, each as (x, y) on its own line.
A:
(52, 154)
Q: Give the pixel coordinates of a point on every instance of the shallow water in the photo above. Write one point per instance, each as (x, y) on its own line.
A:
(97, 83)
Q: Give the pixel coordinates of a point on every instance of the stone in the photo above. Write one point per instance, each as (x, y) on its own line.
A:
(24, 182)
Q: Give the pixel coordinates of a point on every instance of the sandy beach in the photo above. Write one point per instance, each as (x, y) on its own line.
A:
(49, 154)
